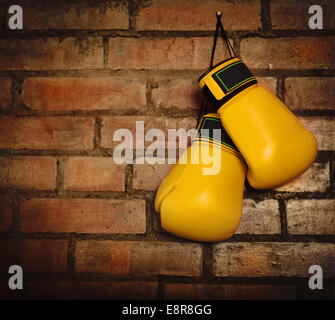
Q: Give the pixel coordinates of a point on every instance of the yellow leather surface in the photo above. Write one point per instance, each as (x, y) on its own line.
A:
(273, 142)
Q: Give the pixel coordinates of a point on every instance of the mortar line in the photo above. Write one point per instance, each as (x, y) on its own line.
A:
(97, 132)
(207, 259)
(281, 88)
(129, 176)
(155, 112)
(331, 172)
(266, 16)
(132, 11)
(266, 32)
(71, 255)
(60, 177)
(322, 157)
(166, 237)
(105, 43)
(283, 217)
(160, 73)
(150, 220)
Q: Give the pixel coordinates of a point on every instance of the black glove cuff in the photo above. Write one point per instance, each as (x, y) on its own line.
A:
(211, 130)
(232, 78)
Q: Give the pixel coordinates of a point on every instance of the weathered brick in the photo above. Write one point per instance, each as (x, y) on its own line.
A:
(103, 256)
(294, 14)
(259, 218)
(128, 257)
(51, 54)
(311, 216)
(324, 130)
(316, 178)
(5, 213)
(163, 53)
(5, 93)
(149, 177)
(111, 124)
(179, 15)
(199, 291)
(268, 82)
(34, 255)
(59, 94)
(263, 259)
(41, 15)
(106, 290)
(46, 133)
(289, 53)
(93, 174)
(310, 93)
(83, 216)
(180, 94)
(29, 172)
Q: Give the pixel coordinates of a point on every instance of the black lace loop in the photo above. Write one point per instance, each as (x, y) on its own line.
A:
(219, 28)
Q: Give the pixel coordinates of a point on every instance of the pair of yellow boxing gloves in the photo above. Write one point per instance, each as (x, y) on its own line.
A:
(252, 134)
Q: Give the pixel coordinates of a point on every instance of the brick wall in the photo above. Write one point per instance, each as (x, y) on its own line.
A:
(82, 226)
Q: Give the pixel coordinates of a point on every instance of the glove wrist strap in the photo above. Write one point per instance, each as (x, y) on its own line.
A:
(210, 130)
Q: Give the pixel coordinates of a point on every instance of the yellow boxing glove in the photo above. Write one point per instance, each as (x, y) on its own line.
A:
(201, 197)
(273, 142)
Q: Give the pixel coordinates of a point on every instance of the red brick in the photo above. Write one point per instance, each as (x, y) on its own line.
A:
(180, 15)
(294, 14)
(180, 94)
(5, 213)
(163, 53)
(34, 255)
(93, 174)
(59, 94)
(110, 124)
(115, 257)
(83, 216)
(51, 54)
(289, 53)
(263, 259)
(46, 133)
(42, 15)
(30, 172)
(324, 130)
(311, 216)
(103, 256)
(310, 93)
(200, 291)
(259, 217)
(106, 290)
(149, 177)
(5, 93)
(268, 82)
(315, 179)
